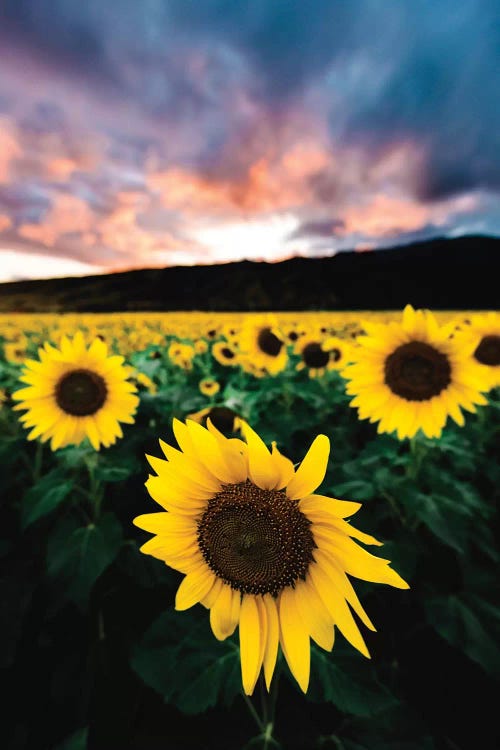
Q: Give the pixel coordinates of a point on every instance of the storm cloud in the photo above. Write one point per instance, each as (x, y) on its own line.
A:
(156, 133)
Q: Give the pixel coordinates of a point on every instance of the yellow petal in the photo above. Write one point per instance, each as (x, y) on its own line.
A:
(272, 641)
(261, 467)
(209, 600)
(326, 525)
(284, 467)
(311, 471)
(358, 562)
(342, 583)
(294, 638)
(208, 451)
(329, 505)
(250, 636)
(337, 607)
(220, 613)
(194, 587)
(314, 615)
(166, 523)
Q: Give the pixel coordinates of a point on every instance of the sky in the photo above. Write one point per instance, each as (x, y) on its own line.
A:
(151, 133)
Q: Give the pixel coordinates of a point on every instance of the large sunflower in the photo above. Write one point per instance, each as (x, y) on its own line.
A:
(74, 392)
(484, 335)
(411, 375)
(258, 548)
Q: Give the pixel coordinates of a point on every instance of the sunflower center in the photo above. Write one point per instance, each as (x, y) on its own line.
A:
(488, 350)
(227, 353)
(314, 356)
(255, 540)
(222, 417)
(81, 393)
(269, 343)
(417, 371)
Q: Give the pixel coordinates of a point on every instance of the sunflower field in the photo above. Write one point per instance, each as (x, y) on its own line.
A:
(227, 531)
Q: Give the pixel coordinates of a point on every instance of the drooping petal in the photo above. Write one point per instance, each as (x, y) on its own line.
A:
(314, 615)
(273, 635)
(294, 638)
(220, 613)
(337, 607)
(250, 637)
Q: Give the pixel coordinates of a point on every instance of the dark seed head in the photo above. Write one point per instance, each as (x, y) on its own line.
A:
(222, 417)
(255, 540)
(269, 343)
(314, 356)
(81, 393)
(488, 351)
(417, 371)
(227, 353)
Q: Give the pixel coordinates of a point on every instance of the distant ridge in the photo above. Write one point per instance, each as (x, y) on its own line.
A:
(457, 273)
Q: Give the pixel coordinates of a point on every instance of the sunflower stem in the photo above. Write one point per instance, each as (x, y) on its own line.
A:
(96, 490)
(254, 713)
(417, 453)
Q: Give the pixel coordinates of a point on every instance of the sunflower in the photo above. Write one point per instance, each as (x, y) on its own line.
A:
(317, 356)
(411, 375)
(209, 387)
(258, 548)
(74, 392)
(484, 333)
(262, 344)
(181, 355)
(222, 417)
(226, 354)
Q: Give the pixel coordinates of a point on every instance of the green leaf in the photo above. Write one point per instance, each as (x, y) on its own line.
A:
(181, 659)
(45, 496)
(452, 618)
(76, 741)
(113, 473)
(434, 512)
(347, 683)
(79, 557)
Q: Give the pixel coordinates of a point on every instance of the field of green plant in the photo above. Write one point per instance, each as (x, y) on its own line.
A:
(94, 651)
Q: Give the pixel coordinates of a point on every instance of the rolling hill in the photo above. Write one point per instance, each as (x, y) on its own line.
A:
(440, 274)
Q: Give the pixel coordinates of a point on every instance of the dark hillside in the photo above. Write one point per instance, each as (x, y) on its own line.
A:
(439, 274)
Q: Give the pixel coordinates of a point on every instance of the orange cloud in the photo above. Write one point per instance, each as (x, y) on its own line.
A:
(120, 230)
(384, 215)
(270, 184)
(5, 222)
(9, 148)
(67, 215)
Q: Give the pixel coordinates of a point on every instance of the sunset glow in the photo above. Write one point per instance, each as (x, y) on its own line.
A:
(161, 141)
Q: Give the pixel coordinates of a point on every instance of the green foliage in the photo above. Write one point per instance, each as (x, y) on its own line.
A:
(78, 555)
(456, 622)
(97, 615)
(332, 681)
(45, 496)
(179, 657)
(76, 741)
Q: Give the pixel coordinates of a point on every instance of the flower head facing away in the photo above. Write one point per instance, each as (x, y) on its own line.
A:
(258, 548)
